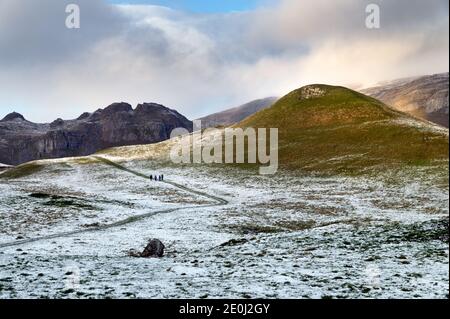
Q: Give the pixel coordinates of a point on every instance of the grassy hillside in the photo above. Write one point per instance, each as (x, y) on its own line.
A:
(334, 129)
(323, 129)
(22, 170)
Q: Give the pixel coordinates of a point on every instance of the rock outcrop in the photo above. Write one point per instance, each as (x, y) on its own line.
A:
(116, 125)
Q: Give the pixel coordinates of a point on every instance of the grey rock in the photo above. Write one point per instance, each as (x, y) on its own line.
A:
(116, 125)
(154, 249)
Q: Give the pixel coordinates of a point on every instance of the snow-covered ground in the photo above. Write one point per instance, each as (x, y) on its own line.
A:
(276, 237)
(4, 167)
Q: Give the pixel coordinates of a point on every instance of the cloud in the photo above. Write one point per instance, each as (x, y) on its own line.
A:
(199, 63)
(34, 34)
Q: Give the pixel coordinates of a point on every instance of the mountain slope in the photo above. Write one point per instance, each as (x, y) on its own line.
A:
(118, 124)
(333, 130)
(236, 114)
(327, 128)
(424, 97)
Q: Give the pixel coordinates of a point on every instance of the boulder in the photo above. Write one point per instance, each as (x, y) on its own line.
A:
(154, 249)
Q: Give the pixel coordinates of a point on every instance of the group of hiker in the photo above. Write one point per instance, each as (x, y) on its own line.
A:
(158, 178)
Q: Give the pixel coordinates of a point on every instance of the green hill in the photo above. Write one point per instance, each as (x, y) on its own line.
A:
(334, 129)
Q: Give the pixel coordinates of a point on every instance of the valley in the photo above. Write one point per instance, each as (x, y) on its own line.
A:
(357, 224)
(271, 237)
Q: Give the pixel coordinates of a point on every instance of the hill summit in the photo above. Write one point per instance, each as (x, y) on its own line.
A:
(13, 116)
(332, 128)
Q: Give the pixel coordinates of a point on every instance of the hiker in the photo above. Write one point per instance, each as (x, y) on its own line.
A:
(151, 177)
(162, 177)
(156, 178)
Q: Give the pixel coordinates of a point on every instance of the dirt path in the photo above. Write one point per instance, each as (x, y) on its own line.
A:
(132, 219)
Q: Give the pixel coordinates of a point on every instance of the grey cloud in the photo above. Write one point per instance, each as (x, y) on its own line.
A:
(318, 20)
(197, 62)
(33, 33)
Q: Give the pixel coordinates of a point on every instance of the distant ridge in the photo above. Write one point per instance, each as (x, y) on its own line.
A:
(236, 114)
(425, 97)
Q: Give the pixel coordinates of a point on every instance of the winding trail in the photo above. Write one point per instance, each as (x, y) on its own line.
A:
(132, 219)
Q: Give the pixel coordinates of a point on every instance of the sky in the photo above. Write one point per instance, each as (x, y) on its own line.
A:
(201, 6)
(200, 57)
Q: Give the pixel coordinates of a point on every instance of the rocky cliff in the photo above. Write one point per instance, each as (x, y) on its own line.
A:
(116, 125)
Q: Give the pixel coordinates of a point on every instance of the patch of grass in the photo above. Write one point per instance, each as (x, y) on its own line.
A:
(396, 233)
(251, 229)
(423, 232)
(22, 171)
(278, 227)
(296, 225)
(62, 201)
(83, 160)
